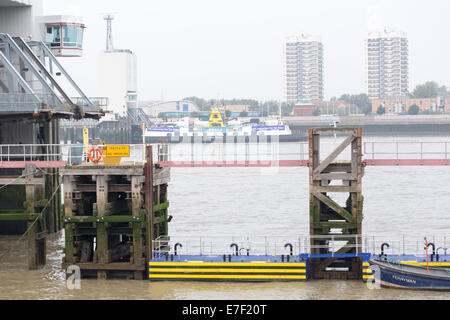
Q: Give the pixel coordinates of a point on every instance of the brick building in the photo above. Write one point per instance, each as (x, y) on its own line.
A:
(334, 106)
(304, 108)
(237, 108)
(398, 106)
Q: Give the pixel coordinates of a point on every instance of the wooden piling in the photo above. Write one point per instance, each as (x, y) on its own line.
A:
(37, 226)
(110, 217)
(326, 214)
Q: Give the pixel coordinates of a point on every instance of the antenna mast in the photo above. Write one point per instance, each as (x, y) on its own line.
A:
(109, 40)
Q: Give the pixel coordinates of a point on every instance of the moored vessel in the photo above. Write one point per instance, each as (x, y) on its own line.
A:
(218, 129)
(392, 274)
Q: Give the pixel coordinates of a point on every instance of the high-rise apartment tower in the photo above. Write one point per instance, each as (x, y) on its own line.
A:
(303, 68)
(387, 69)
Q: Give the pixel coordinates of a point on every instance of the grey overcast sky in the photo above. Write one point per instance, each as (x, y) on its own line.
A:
(233, 48)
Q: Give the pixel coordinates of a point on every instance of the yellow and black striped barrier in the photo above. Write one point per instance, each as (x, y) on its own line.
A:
(230, 272)
(368, 274)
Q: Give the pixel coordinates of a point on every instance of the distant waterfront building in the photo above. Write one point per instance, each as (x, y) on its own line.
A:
(118, 77)
(304, 108)
(237, 108)
(303, 68)
(173, 108)
(399, 106)
(387, 68)
(334, 106)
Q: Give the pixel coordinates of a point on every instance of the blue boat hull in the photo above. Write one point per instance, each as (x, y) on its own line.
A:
(409, 277)
(398, 280)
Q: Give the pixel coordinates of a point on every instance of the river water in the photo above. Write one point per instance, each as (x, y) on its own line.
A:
(245, 202)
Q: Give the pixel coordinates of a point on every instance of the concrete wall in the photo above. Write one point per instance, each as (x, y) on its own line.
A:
(18, 19)
(17, 133)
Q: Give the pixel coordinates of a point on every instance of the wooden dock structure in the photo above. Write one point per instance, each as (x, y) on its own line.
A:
(111, 216)
(328, 219)
(31, 205)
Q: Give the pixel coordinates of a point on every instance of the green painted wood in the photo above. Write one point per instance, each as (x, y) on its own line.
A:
(337, 208)
(102, 243)
(18, 217)
(160, 207)
(69, 241)
(137, 244)
(141, 218)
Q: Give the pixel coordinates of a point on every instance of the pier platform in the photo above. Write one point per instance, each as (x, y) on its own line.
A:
(111, 214)
(280, 268)
(227, 268)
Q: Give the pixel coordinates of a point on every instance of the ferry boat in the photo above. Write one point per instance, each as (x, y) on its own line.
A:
(217, 129)
(407, 276)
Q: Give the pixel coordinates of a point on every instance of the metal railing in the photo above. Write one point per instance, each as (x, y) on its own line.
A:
(96, 101)
(209, 245)
(223, 152)
(73, 154)
(406, 150)
(26, 102)
(29, 152)
(405, 245)
(217, 153)
(272, 246)
(71, 123)
(247, 152)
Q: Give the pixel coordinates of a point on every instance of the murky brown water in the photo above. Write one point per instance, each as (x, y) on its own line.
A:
(244, 201)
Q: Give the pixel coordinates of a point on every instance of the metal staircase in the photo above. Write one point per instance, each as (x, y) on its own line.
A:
(29, 83)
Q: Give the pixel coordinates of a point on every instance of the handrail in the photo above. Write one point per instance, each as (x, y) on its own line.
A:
(261, 245)
(419, 150)
(71, 153)
(395, 152)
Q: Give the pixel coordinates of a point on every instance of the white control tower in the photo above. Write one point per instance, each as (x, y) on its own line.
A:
(118, 76)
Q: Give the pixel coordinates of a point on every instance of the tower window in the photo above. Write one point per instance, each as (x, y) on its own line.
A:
(65, 36)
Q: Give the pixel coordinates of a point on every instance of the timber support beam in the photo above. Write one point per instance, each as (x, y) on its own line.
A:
(112, 215)
(340, 218)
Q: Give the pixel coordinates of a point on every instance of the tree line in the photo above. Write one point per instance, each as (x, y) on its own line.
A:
(430, 89)
(264, 108)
